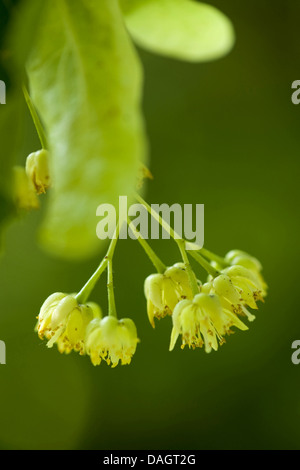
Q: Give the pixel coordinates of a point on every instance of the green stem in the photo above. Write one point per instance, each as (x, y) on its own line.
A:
(110, 283)
(35, 118)
(202, 261)
(87, 289)
(180, 240)
(112, 312)
(211, 256)
(158, 264)
(188, 268)
(161, 221)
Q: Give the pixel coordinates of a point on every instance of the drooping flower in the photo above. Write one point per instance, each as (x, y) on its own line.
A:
(74, 335)
(202, 322)
(237, 288)
(37, 169)
(63, 320)
(111, 340)
(241, 258)
(164, 291)
(248, 284)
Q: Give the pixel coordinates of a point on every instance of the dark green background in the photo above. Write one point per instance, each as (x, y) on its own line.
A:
(225, 134)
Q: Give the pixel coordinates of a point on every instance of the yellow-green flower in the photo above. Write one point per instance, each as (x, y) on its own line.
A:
(74, 334)
(111, 340)
(230, 298)
(63, 321)
(248, 284)
(237, 287)
(37, 169)
(202, 322)
(241, 258)
(164, 291)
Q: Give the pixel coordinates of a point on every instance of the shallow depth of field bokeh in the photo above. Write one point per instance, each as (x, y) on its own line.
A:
(225, 134)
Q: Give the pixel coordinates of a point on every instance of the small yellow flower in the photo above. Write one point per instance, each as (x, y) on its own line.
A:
(241, 258)
(202, 321)
(232, 298)
(164, 291)
(63, 321)
(111, 340)
(74, 335)
(37, 169)
(248, 283)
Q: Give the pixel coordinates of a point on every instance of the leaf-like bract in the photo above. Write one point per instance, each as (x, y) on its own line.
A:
(86, 81)
(182, 29)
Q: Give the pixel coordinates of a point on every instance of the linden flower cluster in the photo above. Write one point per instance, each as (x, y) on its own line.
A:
(205, 318)
(80, 327)
(201, 314)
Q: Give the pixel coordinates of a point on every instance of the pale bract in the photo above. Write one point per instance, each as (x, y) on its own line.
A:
(86, 81)
(182, 29)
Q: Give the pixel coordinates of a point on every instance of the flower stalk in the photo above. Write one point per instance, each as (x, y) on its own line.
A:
(87, 289)
(156, 261)
(35, 118)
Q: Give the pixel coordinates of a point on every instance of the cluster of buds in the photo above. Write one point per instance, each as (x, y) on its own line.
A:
(80, 327)
(31, 181)
(204, 319)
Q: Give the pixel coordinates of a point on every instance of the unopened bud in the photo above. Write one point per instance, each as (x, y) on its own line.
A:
(37, 169)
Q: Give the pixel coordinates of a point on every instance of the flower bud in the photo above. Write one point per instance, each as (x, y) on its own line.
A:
(37, 169)
(243, 259)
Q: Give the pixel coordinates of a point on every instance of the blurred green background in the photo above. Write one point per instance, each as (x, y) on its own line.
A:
(225, 134)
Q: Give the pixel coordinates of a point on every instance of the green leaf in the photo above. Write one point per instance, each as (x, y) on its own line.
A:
(86, 82)
(182, 29)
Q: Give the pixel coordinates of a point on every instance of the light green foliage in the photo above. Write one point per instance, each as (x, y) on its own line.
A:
(86, 81)
(183, 29)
